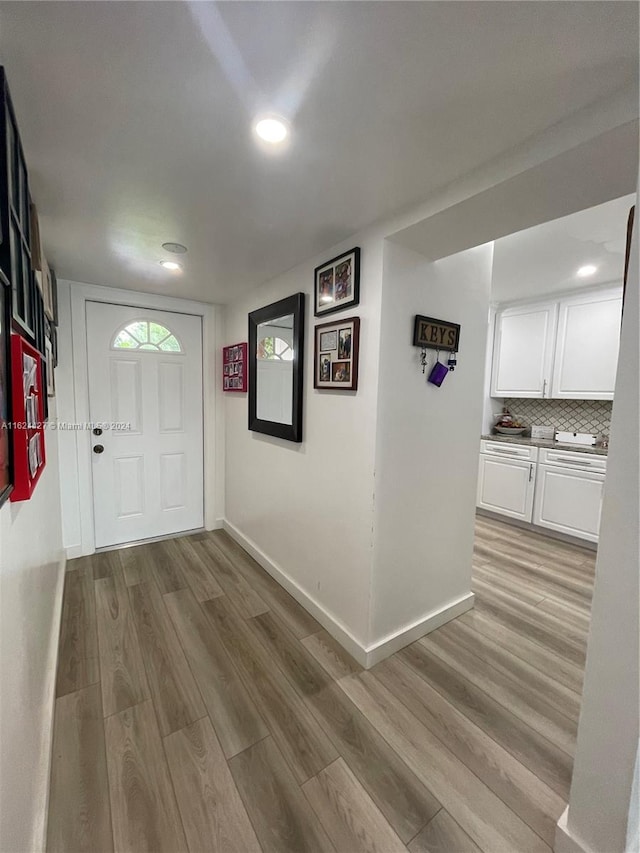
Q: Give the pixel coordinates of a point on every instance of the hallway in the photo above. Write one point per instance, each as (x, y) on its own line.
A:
(199, 707)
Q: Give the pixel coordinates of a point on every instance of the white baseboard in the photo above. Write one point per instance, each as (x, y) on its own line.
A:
(565, 841)
(410, 633)
(40, 829)
(366, 656)
(338, 631)
(73, 551)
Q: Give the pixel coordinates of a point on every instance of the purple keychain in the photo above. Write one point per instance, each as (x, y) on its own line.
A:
(439, 371)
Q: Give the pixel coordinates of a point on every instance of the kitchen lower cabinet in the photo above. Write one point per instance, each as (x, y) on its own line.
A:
(569, 501)
(506, 485)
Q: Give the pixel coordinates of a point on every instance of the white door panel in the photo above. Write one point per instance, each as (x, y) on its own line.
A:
(569, 501)
(506, 486)
(148, 481)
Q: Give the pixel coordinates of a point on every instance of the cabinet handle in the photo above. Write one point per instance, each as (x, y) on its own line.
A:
(530, 472)
(544, 388)
(500, 450)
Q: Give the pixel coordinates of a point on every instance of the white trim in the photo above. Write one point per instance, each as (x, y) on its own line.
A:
(80, 294)
(40, 829)
(337, 630)
(366, 656)
(410, 633)
(565, 842)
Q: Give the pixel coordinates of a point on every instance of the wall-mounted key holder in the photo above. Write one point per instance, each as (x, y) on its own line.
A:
(429, 333)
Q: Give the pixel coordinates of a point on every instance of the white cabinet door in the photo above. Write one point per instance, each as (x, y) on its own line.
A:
(569, 501)
(586, 355)
(523, 350)
(506, 486)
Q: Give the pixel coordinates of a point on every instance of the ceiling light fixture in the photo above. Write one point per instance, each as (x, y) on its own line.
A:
(174, 248)
(171, 265)
(586, 271)
(271, 129)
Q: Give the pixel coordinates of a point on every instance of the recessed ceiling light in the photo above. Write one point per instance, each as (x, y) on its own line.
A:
(586, 271)
(272, 129)
(175, 248)
(171, 265)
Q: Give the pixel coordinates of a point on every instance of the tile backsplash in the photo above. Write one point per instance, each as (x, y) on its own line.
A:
(570, 415)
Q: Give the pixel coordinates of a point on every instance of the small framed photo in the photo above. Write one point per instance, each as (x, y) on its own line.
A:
(337, 283)
(336, 367)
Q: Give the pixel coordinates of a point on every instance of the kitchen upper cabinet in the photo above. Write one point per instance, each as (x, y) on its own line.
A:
(587, 345)
(523, 350)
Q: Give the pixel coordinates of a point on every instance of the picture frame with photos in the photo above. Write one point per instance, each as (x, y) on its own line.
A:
(337, 350)
(337, 283)
(234, 368)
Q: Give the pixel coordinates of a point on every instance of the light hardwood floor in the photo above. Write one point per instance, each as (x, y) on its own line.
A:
(200, 708)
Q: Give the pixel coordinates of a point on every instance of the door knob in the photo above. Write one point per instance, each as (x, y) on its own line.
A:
(98, 448)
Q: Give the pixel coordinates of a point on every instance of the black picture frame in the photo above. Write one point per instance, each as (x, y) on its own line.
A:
(444, 335)
(326, 276)
(6, 409)
(294, 305)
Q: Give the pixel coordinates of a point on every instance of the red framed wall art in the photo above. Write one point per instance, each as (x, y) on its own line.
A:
(27, 396)
(234, 368)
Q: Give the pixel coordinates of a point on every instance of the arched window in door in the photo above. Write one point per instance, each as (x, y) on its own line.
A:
(146, 335)
(272, 348)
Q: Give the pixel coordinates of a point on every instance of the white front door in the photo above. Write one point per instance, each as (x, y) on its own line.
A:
(145, 371)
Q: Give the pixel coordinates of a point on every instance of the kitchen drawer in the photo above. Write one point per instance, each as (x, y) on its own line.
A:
(577, 461)
(509, 451)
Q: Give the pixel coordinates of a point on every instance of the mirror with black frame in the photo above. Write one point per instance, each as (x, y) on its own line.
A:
(276, 356)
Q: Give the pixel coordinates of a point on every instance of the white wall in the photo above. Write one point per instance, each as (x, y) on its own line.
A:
(428, 438)
(608, 729)
(309, 507)
(31, 578)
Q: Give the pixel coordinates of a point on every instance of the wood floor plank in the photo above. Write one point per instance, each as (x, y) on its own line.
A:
(122, 672)
(526, 592)
(233, 713)
(78, 645)
(544, 660)
(547, 761)
(79, 812)
(283, 819)
(523, 702)
(195, 570)
(443, 835)
(295, 617)
(578, 621)
(304, 745)
(243, 596)
(176, 698)
(480, 813)
(163, 561)
(330, 655)
(557, 694)
(541, 627)
(525, 794)
(401, 797)
(133, 565)
(213, 816)
(351, 819)
(105, 565)
(144, 813)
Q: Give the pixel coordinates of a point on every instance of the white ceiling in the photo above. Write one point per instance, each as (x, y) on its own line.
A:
(136, 119)
(544, 260)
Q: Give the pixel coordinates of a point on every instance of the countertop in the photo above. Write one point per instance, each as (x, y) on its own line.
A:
(552, 445)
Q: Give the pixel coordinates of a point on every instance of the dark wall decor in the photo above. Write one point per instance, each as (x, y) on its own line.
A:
(337, 283)
(6, 466)
(336, 350)
(276, 366)
(436, 334)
